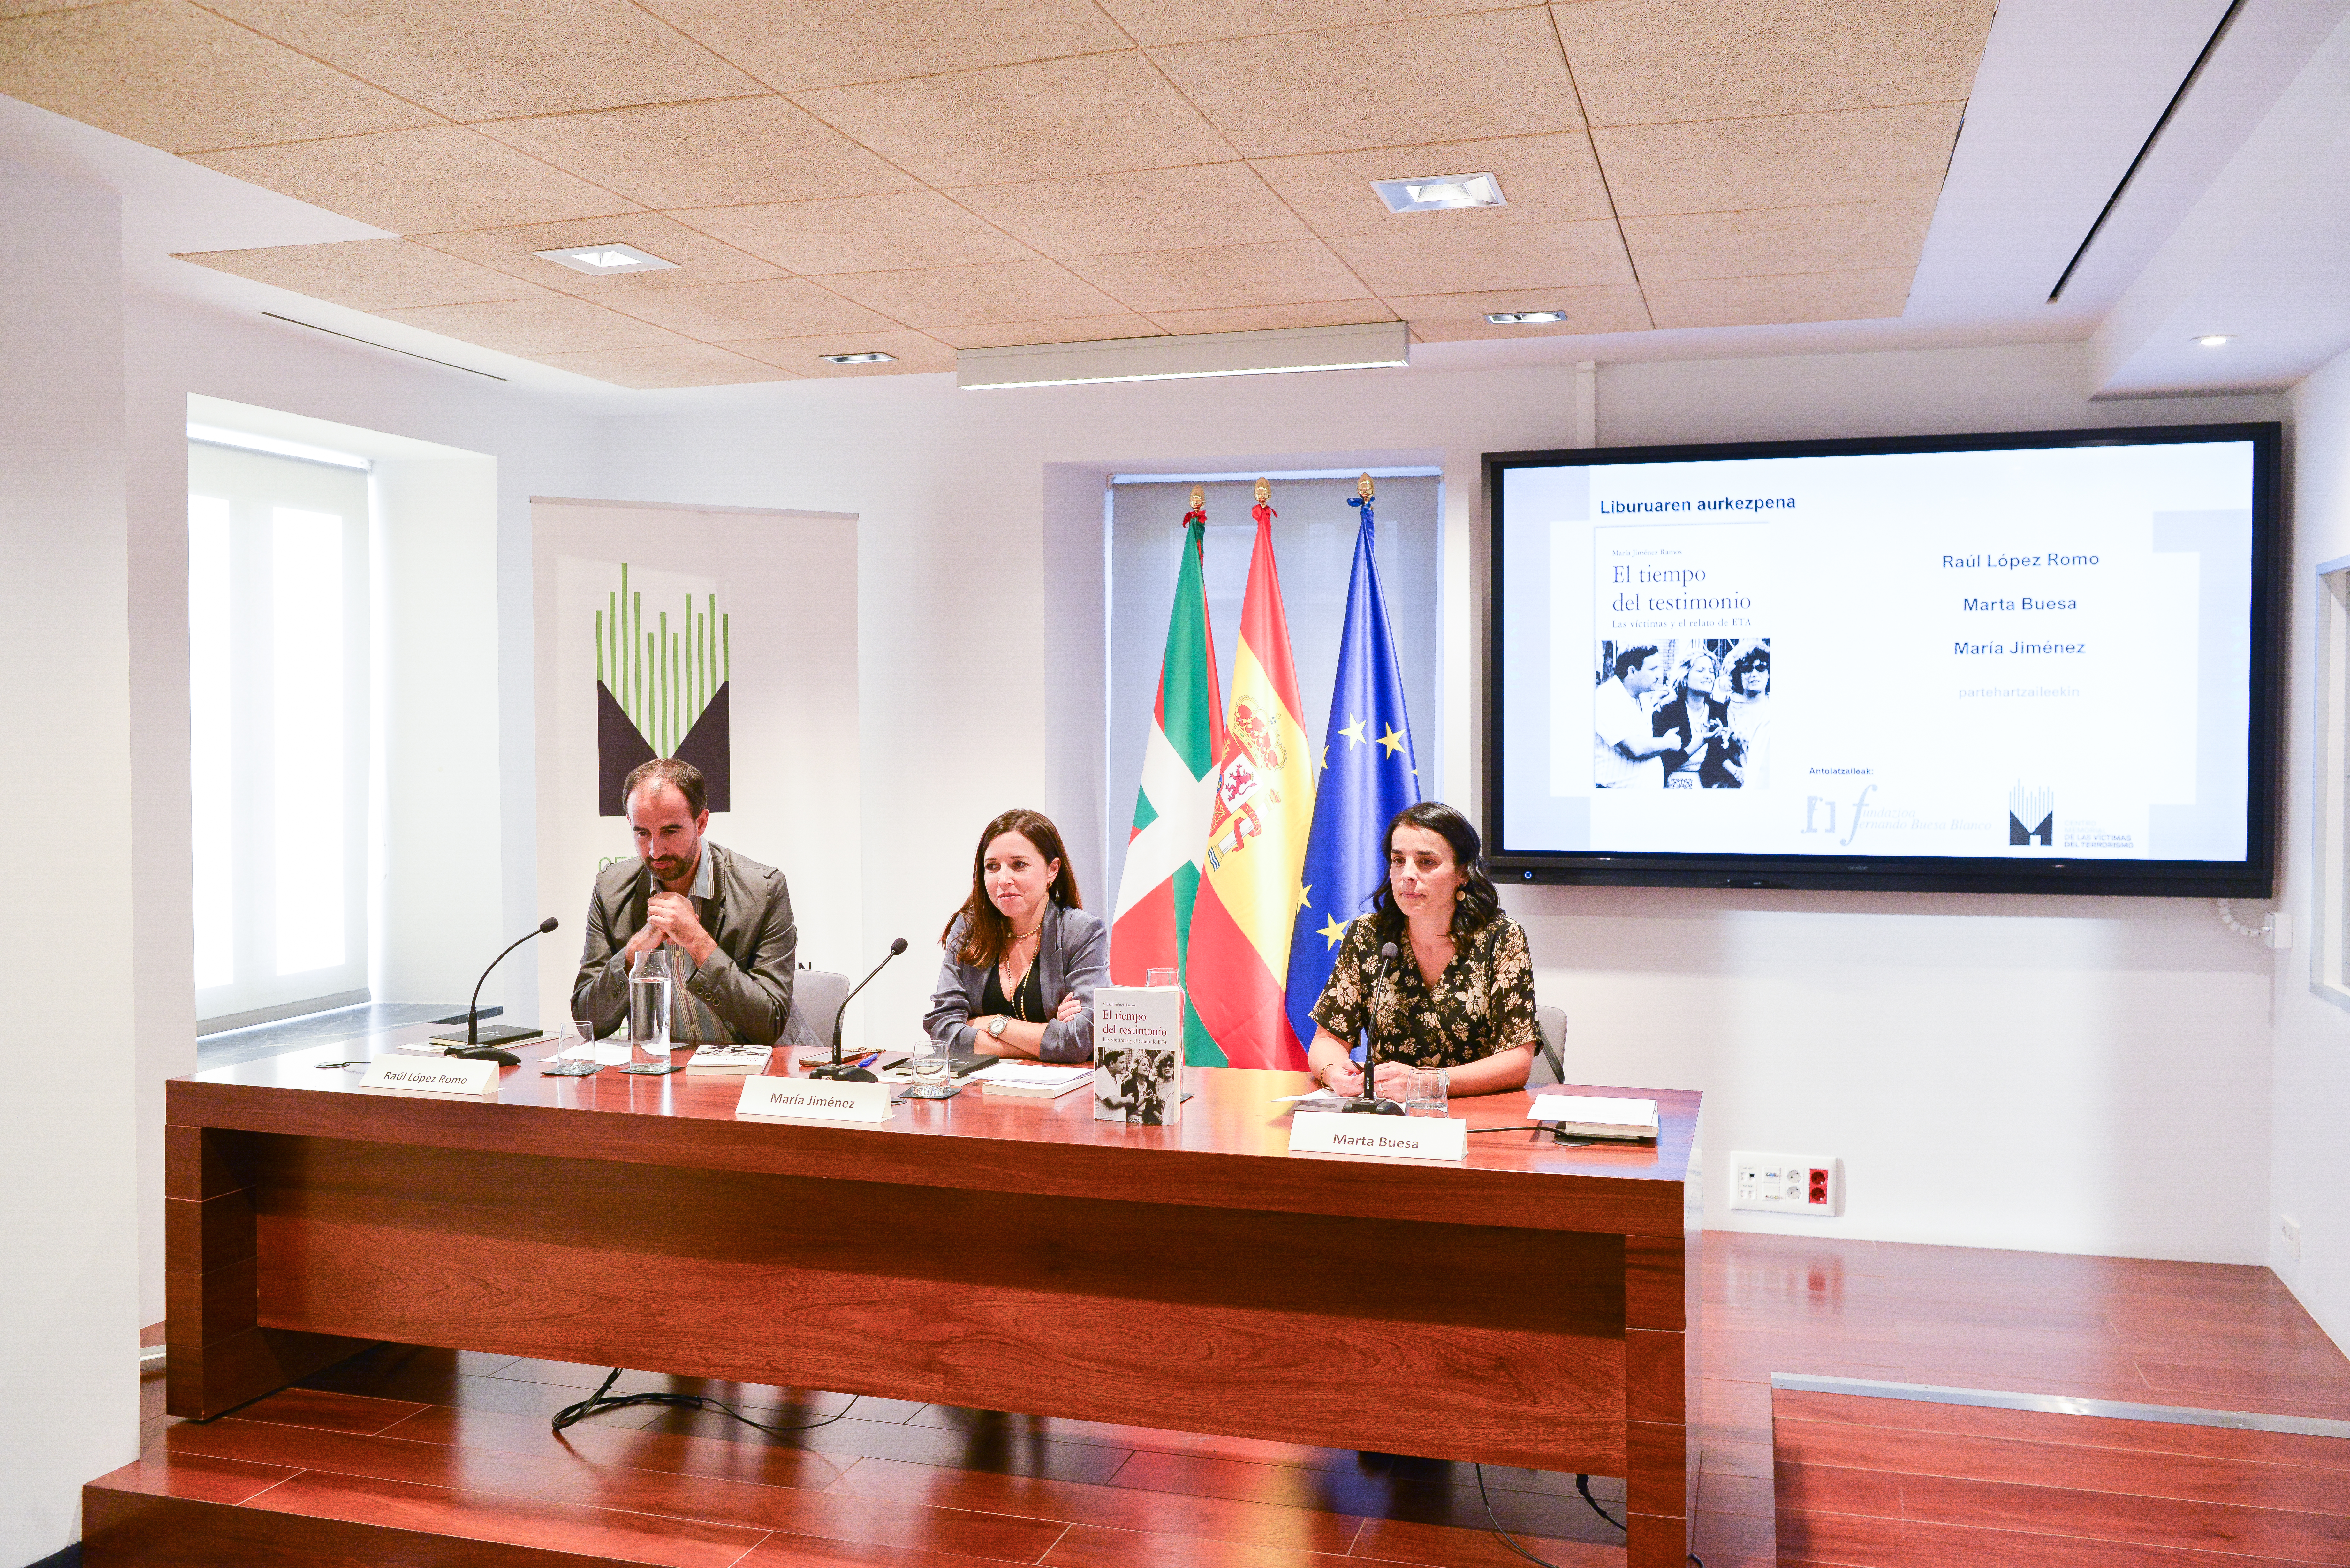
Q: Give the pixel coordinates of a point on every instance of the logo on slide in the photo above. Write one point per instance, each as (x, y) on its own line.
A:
(662, 691)
(2026, 808)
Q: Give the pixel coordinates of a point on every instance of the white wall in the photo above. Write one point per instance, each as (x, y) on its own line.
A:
(1913, 1035)
(2311, 1115)
(68, 1310)
(171, 352)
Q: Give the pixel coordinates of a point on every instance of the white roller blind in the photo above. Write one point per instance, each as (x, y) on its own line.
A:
(277, 627)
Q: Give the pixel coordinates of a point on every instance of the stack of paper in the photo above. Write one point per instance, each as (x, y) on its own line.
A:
(1583, 1115)
(1037, 1080)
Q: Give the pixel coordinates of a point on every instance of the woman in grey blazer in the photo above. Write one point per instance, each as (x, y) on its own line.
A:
(1021, 957)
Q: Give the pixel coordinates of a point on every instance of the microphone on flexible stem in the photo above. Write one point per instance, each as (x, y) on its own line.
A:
(832, 1069)
(474, 1051)
(1368, 1102)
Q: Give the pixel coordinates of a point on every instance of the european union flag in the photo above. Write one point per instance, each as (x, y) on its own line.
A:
(1367, 777)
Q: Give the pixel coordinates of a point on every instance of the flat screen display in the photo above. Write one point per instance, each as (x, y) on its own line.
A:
(2042, 661)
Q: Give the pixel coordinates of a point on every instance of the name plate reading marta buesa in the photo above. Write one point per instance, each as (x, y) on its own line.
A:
(431, 1075)
(813, 1100)
(1385, 1137)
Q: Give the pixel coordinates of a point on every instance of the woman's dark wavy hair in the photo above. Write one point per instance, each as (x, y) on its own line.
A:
(1479, 901)
(989, 933)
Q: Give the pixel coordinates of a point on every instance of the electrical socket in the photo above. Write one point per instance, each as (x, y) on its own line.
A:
(1786, 1183)
(2279, 930)
(2292, 1229)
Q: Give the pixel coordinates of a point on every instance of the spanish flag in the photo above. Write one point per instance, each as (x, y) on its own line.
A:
(1256, 843)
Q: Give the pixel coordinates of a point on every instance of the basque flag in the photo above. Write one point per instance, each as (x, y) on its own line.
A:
(1367, 777)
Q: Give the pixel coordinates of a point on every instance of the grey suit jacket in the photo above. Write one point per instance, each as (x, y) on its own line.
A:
(743, 995)
(1072, 956)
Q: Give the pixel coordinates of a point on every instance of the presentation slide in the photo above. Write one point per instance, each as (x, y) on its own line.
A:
(2038, 653)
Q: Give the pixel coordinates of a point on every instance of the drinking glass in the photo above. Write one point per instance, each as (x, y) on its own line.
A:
(1160, 976)
(926, 1065)
(1423, 1092)
(574, 1055)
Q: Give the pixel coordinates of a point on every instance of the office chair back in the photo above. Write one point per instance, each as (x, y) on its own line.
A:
(816, 996)
(1550, 1062)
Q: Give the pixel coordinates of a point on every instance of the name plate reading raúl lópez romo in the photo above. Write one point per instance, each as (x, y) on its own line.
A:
(1386, 1137)
(813, 1100)
(431, 1075)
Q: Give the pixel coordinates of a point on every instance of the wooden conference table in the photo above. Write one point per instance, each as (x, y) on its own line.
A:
(1535, 1305)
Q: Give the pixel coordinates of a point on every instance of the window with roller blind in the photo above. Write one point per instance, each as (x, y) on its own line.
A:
(278, 709)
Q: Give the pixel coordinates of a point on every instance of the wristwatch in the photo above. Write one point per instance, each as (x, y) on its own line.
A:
(995, 1029)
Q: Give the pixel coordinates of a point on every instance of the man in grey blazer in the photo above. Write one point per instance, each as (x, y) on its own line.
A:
(726, 919)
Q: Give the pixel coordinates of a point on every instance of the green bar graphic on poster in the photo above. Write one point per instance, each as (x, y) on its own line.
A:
(662, 691)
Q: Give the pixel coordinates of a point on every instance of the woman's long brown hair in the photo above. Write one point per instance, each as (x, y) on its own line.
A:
(989, 933)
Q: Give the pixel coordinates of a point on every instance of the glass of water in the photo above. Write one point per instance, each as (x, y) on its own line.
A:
(926, 1065)
(649, 983)
(1423, 1092)
(574, 1055)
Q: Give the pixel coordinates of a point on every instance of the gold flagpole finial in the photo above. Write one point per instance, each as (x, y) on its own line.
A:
(1263, 491)
(1198, 498)
(1363, 487)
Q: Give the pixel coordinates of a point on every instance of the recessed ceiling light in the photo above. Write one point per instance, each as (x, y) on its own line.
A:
(858, 358)
(2216, 339)
(1523, 317)
(1436, 193)
(599, 261)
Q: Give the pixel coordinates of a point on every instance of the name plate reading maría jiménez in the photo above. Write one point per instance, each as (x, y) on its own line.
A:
(1385, 1137)
(813, 1100)
(431, 1075)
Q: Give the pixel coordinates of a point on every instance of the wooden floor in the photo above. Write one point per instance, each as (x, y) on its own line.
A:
(439, 1457)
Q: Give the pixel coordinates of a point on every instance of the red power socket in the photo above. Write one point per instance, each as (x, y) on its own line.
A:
(1819, 1186)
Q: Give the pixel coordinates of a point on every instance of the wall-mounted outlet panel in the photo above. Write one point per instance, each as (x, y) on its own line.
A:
(1786, 1183)
(2290, 1229)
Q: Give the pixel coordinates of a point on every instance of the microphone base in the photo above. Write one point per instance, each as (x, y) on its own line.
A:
(1370, 1105)
(487, 1053)
(844, 1074)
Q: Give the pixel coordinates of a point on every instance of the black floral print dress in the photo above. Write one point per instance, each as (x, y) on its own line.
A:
(1484, 1001)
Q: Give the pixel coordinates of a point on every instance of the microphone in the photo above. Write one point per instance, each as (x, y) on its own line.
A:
(1368, 1102)
(474, 1051)
(832, 1069)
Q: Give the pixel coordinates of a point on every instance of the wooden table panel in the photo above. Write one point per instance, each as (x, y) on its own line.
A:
(998, 1253)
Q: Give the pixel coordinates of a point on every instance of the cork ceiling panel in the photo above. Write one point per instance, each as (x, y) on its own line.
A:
(1494, 73)
(1853, 237)
(1274, 317)
(1067, 329)
(541, 323)
(840, 43)
(1285, 272)
(1434, 259)
(715, 152)
(1785, 160)
(468, 60)
(945, 173)
(1150, 209)
(369, 274)
(174, 77)
(916, 352)
(1643, 61)
(974, 296)
(861, 234)
(736, 312)
(1547, 180)
(1446, 317)
(1803, 296)
(444, 177)
(1095, 114)
(1153, 21)
(701, 260)
(679, 364)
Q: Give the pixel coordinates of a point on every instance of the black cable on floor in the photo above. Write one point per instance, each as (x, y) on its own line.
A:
(600, 1402)
(1582, 1484)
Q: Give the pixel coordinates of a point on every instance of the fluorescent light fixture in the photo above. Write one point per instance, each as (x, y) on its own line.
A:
(873, 359)
(601, 261)
(2216, 339)
(213, 435)
(1373, 346)
(1523, 317)
(1438, 193)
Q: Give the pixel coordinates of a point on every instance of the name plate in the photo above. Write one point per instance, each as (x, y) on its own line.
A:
(1386, 1137)
(433, 1076)
(813, 1100)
